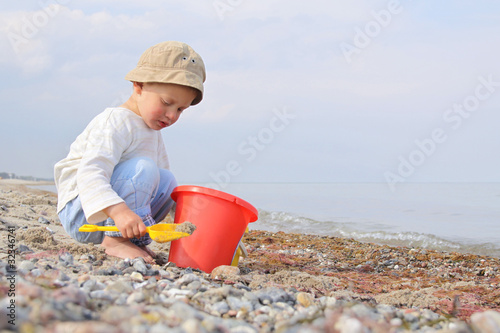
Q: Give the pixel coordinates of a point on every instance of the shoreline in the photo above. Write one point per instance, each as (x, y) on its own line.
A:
(22, 182)
(451, 245)
(462, 248)
(333, 274)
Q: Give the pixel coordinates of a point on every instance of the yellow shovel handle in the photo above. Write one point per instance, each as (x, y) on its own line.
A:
(159, 236)
(92, 228)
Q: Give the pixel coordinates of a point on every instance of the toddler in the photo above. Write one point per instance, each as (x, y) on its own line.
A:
(116, 172)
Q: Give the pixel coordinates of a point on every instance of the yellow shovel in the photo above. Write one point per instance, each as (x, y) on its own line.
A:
(160, 233)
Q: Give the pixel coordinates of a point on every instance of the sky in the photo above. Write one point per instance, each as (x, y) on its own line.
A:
(296, 91)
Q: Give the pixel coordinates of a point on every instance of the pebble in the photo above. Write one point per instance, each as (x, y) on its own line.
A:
(486, 322)
(137, 277)
(220, 308)
(24, 249)
(135, 297)
(26, 265)
(125, 296)
(121, 285)
(66, 258)
(43, 220)
(305, 299)
(82, 278)
(225, 272)
(140, 266)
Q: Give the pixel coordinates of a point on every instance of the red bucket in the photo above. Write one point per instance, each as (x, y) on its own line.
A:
(220, 219)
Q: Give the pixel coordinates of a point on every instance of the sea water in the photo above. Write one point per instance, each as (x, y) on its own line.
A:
(462, 217)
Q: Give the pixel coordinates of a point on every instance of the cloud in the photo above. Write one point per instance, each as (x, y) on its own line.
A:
(353, 119)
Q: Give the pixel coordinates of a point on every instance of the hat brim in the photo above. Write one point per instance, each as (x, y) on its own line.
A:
(174, 76)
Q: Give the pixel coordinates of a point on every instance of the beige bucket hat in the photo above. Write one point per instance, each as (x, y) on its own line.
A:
(171, 62)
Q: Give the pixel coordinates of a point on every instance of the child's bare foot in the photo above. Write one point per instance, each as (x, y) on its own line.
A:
(148, 251)
(123, 248)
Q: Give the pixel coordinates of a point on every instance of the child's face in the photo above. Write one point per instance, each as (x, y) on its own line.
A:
(161, 104)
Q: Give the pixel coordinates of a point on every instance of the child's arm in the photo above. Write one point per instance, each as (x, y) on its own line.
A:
(100, 148)
(129, 223)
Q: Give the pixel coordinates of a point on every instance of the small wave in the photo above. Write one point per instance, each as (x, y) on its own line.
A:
(283, 221)
(408, 239)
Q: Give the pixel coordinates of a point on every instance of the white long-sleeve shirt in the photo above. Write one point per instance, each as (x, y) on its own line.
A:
(113, 136)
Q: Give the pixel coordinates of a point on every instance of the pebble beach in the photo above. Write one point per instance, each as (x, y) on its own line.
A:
(287, 283)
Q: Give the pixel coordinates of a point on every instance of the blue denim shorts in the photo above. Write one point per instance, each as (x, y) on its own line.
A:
(143, 186)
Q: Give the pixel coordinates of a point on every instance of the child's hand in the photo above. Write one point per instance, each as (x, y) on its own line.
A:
(129, 223)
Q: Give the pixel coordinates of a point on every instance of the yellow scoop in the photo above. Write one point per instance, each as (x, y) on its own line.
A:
(160, 233)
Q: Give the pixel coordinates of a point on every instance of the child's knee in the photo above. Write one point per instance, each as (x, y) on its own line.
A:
(146, 171)
(142, 172)
(145, 163)
(167, 180)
